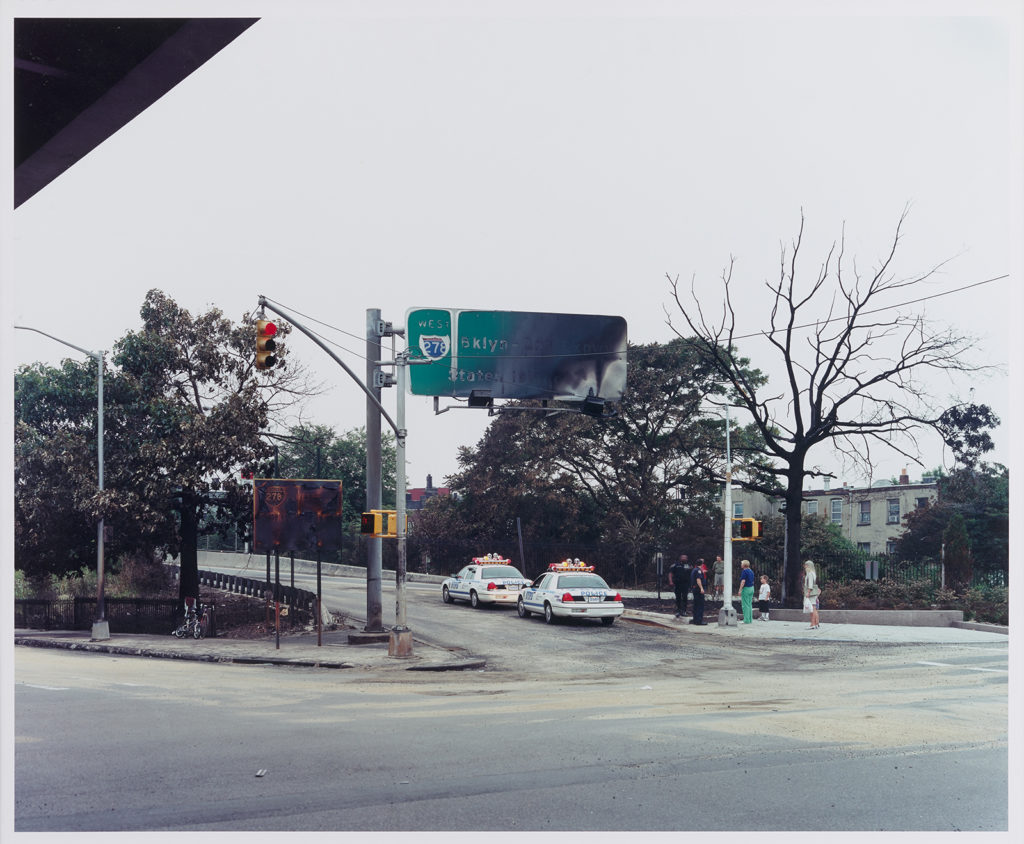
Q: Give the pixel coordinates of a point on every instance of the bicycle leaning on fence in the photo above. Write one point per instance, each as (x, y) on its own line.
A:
(196, 623)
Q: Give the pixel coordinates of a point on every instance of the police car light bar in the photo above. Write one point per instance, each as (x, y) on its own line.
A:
(570, 565)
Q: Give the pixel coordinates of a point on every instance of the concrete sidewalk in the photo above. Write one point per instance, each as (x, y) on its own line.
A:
(338, 652)
(799, 630)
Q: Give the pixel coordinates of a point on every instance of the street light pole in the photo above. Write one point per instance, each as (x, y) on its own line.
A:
(727, 614)
(100, 626)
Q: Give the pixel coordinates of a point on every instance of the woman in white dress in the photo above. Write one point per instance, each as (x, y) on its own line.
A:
(811, 593)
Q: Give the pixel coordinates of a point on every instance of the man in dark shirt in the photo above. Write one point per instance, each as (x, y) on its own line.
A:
(679, 580)
(698, 584)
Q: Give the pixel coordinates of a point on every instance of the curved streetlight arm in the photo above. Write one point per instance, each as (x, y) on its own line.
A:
(265, 304)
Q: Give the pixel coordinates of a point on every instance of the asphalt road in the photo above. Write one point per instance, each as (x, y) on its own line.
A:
(570, 727)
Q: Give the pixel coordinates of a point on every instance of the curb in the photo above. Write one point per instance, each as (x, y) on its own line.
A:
(157, 653)
(462, 664)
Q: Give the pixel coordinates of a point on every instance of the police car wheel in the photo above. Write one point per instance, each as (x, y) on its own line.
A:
(549, 616)
(522, 610)
(446, 596)
(474, 601)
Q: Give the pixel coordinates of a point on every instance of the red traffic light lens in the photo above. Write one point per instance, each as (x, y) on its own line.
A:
(270, 329)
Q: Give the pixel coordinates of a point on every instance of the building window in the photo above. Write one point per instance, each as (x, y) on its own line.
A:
(737, 509)
(864, 517)
(893, 511)
(864, 547)
(837, 511)
(812, 508)
(921, 503)
(890, 546)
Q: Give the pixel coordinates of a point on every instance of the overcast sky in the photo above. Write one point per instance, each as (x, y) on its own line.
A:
(552, 156)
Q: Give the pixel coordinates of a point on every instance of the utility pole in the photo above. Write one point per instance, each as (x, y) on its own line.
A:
(100, 626)
(727, 614)
(374, 564)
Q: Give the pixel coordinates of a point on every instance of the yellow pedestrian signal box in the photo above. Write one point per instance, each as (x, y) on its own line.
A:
(745, 530)
(371, 523)
(379, 523)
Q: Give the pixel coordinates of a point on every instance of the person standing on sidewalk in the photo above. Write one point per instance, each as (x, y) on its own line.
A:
(811, 593)
(698, 585)
(718, 572)
(764, 596)
(747, 592)
(679, 580)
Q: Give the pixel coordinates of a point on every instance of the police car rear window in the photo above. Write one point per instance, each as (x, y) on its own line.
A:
(500, 571)
(581, 581)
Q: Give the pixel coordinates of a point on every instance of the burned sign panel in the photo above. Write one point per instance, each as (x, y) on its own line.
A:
(292, 515)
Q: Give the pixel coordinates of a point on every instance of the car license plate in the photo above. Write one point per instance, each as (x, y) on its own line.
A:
(512, 587)
(594, 599)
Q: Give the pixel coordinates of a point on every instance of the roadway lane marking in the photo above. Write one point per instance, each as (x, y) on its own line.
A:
(46, 688)
(966, 667)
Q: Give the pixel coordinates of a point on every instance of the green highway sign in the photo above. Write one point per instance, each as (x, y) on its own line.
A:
(428, 332)
(516, 354)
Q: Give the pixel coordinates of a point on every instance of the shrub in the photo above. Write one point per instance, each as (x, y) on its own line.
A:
(987, 604)
(980, 603)
(127, 577)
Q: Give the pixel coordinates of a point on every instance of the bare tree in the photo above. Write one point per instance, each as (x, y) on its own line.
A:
(854, 366)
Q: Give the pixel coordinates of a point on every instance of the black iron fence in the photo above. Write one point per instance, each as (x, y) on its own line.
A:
(124, 615)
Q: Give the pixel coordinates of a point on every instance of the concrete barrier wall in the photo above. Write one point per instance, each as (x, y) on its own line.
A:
(257, 564)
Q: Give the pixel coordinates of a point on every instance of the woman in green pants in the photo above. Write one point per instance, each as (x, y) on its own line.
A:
(747, 591)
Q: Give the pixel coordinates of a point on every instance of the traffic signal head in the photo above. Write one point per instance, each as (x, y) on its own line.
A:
(372, 523)
(266, 345)
(379, 523)
(748, 529)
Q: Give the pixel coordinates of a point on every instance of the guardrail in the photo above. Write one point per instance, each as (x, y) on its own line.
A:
(290, 596)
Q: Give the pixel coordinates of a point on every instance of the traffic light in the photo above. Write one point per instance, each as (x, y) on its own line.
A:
(379, 523)
(750, 529)
(266, 345)
(372, 523)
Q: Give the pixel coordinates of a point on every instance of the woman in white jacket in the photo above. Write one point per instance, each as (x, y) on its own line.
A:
(811, 593)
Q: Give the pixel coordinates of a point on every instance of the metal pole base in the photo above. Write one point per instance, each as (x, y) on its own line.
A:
(100, 631)
(400, 642)
(727, 615)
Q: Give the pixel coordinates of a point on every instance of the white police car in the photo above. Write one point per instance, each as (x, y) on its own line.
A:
(570, 589)
(486, 580)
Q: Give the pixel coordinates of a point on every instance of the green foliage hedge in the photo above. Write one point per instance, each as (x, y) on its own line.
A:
(990, 604)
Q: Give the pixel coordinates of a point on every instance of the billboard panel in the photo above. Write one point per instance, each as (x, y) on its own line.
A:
(296, 515)
(518, 355)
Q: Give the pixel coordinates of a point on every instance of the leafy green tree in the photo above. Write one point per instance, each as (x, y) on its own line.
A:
(957, 552)
(648, 475)
(980, 494)
(56, 500)
(184, 409)
(317, 451)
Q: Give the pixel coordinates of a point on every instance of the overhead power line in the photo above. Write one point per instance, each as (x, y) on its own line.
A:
(362, 356)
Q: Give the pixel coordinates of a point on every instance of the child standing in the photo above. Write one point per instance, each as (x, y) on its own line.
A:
(763, 597)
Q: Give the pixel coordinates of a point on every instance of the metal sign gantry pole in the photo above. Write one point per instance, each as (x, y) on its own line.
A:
(400, 643)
